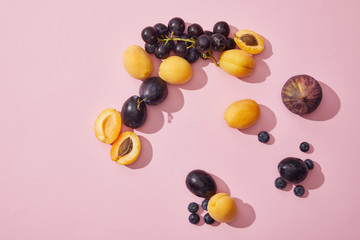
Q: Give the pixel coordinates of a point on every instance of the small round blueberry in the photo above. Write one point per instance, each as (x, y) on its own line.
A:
(280, 183)
(208, 219)
(194, 218)
(299, 190)
(193, 207)
(204, 204)
(263, 136)
(304, 146)
(309, 163)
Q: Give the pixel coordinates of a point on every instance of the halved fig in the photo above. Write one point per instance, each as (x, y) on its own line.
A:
(249, 41)
(108, 125)
(126, 148)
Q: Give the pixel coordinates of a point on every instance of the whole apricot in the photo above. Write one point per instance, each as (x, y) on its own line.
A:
(242, 114)
(237, 62)
(175, 70)
(108, 125)
(222, 208)
(137, 62)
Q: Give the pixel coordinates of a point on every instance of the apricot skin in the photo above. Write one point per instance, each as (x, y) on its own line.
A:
(137, 62)
(108, 125)
(222, 208)
(132, 155)
(237, 62)
(242, 114)
(175, 70)
(248, 48)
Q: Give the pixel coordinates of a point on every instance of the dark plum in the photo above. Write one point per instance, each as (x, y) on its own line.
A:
(150, 35)
(218, 42)
(293, 169)
(153, 90)
(195, 30)
(177, 26)
(201, 183)
(203, 43)
(222, 27)
(133, 112)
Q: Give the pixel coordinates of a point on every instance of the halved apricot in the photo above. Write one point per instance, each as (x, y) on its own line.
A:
(108, 125)
(126, 148)
(249, 41)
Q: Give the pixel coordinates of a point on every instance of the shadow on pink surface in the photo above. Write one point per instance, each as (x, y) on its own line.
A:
(329, 107)
(266, 122)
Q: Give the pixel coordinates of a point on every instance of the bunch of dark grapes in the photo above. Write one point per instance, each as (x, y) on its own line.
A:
(191, 44)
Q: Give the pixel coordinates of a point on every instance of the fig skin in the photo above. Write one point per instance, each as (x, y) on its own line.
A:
(301, 94)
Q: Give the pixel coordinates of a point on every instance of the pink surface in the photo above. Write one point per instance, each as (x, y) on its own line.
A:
(61, 65)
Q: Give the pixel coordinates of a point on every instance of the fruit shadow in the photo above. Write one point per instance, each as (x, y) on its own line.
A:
(314, 180)
(267, 122)
(145, 155)
(245, 216)
(199, 78)
(155, 114)
(329, 107)
(221, 186)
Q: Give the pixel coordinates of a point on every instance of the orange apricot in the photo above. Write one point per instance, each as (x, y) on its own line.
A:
(126, 148)
(222, 208)
(237, 62)
(249, 41)
(108, 125)
(242, 114)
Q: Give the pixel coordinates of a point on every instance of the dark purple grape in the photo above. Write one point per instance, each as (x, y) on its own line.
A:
(162, 29)
(192, 55)
(205, 55)
(208, 33)
(230, 44)
(150, 35)
(293, 169)
(133, 112)
(177, 26)
(203, 43)
(153, 90)
(162, 51)
(170, 45)
(187, 37)
(222, 28)
(201, 183)
(180, 49)
(195, 30)
(150, 48)
(218, 42)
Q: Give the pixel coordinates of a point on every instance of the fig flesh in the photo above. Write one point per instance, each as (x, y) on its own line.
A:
(301, 94)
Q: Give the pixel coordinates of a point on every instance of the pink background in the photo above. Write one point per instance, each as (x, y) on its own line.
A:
(61, 65)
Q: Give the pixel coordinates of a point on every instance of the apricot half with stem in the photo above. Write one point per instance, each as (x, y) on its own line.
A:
(222, 208)
(108, 125)
(249, 41)
(126, 148)
(301, 94)
(237, 62)
(242, 114)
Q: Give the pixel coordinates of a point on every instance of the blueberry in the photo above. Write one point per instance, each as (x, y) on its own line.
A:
(309, 163)
(280, 183)
(194, 218)
(193, 207)
(263, 136)
(208, 219)
(304, 146)
(299, 190)
(204, 204)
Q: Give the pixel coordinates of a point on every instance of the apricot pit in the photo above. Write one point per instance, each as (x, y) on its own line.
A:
(126, 148)
(108, 125)
(249, 41)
